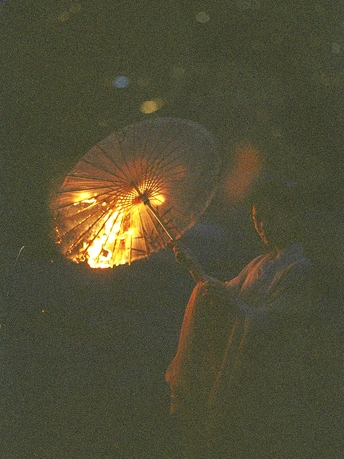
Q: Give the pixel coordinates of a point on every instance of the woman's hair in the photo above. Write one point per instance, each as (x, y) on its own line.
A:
(309, 213)
(279, 206)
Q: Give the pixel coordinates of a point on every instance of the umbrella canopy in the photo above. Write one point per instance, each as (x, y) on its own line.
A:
(135, 191)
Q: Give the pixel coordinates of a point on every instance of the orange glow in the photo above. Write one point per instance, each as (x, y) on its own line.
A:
(157, 199)
(247, 167)
(85, 197)
(100, 252)
(112, 245)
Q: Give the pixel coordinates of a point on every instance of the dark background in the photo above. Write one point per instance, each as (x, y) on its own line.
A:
(84, 352)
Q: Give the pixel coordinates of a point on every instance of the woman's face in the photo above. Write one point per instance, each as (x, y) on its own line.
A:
(259, 225)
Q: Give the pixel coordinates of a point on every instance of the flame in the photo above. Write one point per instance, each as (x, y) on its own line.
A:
(112, 245)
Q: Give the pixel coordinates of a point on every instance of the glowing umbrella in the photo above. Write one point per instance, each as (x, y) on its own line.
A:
(135, 191)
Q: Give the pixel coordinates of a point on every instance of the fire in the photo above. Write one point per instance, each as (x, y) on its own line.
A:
(112, 245)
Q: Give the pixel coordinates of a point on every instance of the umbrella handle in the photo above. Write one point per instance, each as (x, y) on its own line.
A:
(161, 223)
(186, 259)
(145, 199)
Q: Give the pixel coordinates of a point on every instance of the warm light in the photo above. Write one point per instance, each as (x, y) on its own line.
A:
(153, 192)
(151, 106)
(157, 199)
(85, 197)
(128, 196)
(113, 244)
(99, 253)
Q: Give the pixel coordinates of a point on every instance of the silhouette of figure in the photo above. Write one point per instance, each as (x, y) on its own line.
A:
(256, 374)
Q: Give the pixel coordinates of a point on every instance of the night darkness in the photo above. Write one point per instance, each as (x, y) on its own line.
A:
(84, 352)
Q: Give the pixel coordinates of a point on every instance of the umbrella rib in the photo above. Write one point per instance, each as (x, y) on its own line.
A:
(79, 212)
(150, 155)
(101, 168)
(75, 190)
(130, 178)
(75, 213)
(97, 234)
(138, 163)
(162, 160)
(153, 150)
(150, 216)
(144, 234)
(77, 202)
(142, 153)
(106, 182)
(81, 223)
(112, 159)
(193, 146)
(172, 139)
(178, 213)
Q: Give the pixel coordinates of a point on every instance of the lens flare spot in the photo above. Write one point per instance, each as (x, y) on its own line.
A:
(247, 167)
(336, 48)
(151, 106)
(121, 82)
(202, 17)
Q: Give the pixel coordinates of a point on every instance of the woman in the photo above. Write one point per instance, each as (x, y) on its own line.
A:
(245, 381)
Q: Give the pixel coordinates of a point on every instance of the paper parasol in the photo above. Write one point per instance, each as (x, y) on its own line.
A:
(135, 191)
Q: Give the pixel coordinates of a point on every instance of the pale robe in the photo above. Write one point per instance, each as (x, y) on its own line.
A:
(241, 375)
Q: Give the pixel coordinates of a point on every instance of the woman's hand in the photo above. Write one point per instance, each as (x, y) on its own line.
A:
(214, 289)
(185, 257)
